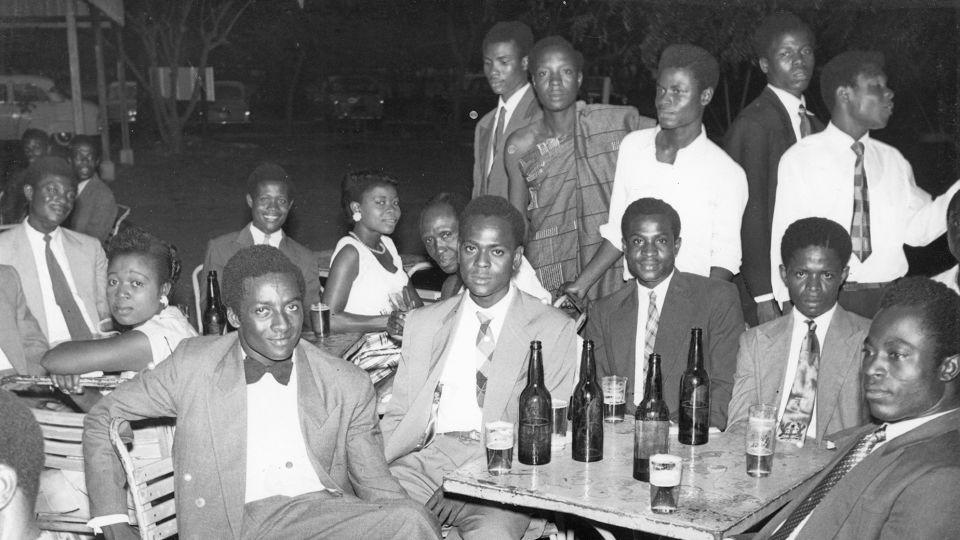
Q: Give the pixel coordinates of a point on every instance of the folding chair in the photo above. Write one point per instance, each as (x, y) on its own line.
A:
(151, 488)
(195, 278)
(63, 450)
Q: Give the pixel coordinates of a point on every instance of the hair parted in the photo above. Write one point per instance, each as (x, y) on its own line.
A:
(940, 306)
(773, 27)
(48, 166)
(268, 172)
(695, 59)
(253, 262)
(356, 183)
(85, 140)
(648, 206)
(136, 241)
(553, 42)
(493, 206)
(22, 447)
(510, 31)
(843, 69)
(815, 231)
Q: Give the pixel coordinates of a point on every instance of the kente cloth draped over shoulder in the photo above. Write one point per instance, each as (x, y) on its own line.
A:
(569, 179)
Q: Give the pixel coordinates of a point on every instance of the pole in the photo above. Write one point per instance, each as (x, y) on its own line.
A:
(106, 164)
(126, 153)
(74, 54)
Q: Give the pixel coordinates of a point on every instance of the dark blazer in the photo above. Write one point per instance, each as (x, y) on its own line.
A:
(907, 488)
(94, 211)
(497, 183)
(762, 363)
(21, 339)
(221, 248)
(692, 302)
(202, 385)
(757, 139)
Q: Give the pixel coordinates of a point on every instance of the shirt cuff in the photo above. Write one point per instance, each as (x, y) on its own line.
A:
(763, 298)
(102, 521)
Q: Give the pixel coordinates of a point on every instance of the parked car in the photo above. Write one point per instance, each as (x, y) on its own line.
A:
(349, 97)
(30, 101)
(230, 104)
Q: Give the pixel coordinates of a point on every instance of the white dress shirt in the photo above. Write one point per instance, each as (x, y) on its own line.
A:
(260, 237)
(704, 185)
(949, 278)
(510, 105)
(792, 104)
(793, 360)
(816, 179)
(4, 362)
(640, 346)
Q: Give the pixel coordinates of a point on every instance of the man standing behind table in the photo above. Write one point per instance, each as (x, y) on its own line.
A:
(275, 438)
(63, 273)
(655, 312)
(762, 132)
(505, 49)
(677, 163)
(464, 364)
(951, 277)
(845, 175)
(807, 361)
(897, 477)
(95, 210)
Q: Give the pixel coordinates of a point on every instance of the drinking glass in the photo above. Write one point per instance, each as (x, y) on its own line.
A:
(761, 439)
(665, 473)
(498, 438)
(614, 390)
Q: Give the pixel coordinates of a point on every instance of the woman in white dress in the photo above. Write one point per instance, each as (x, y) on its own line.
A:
(367, 281)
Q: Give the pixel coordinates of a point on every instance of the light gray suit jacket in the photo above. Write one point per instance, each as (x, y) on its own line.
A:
(21, 339)
(497, 183)
(762, 364)
(88, 265)
(202, 385)
(427, 334)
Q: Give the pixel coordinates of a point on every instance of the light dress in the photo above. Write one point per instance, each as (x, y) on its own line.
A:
(371, 290)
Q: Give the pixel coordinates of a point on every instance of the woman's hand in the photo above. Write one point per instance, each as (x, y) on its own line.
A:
(68, 384)
(395, 323)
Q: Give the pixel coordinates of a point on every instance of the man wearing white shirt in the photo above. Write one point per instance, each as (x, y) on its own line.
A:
(951, 277)
(867, 186)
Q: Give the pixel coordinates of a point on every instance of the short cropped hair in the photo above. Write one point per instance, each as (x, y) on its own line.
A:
(85, 140)
(268, 173)
(455, 201)
(954, 203)
(775, 25)
(45, 166)
(493, 206)
(510, 31)
(843, 69)
(22, 448)
(697, 60)
(253, 262)
(815, 231)
(136, 241)
(356, 183)
(551, 42)
(940, 306)
(648, 206)
(34, 134)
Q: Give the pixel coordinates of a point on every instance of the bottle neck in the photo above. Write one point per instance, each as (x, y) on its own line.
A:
(535, 369)
(587, 365)
(213, 292)
(695, 359)
(654, 381)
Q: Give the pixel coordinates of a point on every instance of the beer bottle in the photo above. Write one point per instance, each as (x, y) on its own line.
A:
(536, 414)
(586, 406)
(694, 395)
(652, 422)
(214, 316)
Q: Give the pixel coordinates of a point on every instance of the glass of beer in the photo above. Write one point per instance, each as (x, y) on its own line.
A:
(320, 320)
(761, 439)
(614, 390)
(665, 472)
(498, 437)
(560, 410)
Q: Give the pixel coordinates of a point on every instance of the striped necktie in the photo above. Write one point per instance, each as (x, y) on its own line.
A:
(805, 128)
(860, 226)
(64, 296)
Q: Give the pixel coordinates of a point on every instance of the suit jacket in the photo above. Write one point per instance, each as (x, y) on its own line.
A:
(88, 265)
(757, 139)
(202, 385)
(762, 364)
(21, 339)
(94, 211)
(497, 183)
(221, 248)
(427, 334)
(692, 301)
(907, 488)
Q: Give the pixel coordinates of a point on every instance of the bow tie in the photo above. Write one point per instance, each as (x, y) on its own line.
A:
(253, 370)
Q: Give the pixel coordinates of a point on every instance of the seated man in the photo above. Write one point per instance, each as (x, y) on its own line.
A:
(270, 197)
(95, 209)
(468, 356)
(22, 342)
(21, 460)
(951, 277)
(897, 477)
(296, 454)
(63, 273)
(807, 361)
(656, 310)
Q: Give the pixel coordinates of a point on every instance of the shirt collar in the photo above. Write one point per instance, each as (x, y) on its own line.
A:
(37, 236)
(790, 102)
(643, 293)
(514, 99)
(694, 145)
(823, 321)
(497, 311)
(259, 235)
(896, 429)
(839, 135)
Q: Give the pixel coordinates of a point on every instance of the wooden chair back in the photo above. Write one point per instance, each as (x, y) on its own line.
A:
(62, 449)
(150, 486)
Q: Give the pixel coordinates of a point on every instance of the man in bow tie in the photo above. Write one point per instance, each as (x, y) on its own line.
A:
(275, 438)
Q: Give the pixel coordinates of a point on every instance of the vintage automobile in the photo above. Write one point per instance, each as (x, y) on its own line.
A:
(30, 101)
(350, 97)
(229, 105)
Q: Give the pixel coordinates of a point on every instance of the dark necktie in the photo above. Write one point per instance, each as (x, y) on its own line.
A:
(855, 455)
(804, 122)
(860, 226)
(64, 296)
(254, 370)
(803, 393)
(497, 138)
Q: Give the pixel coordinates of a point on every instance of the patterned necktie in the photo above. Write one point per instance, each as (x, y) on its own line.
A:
(653, 323)
(855, 455)
(803, 394)
(497, 138)
(804, 122)
(486, 345)
(860, 227)
(253, 370)
(64, 296)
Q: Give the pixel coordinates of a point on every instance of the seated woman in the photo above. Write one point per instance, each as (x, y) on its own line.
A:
(140, 275)
(366, 275)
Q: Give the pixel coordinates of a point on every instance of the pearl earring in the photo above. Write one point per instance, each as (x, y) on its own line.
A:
(356, 216)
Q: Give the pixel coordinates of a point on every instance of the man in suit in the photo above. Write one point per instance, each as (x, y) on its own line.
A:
(22, 342)
(270, 196)
(464, 364)
(63, 273)
(656, 310)
(21, 460)
(297, 454)
(762, 132)
(505, 49)
(95, 209)
(897, 477)
(818, 342)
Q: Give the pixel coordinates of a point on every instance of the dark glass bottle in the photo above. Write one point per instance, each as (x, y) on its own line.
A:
(214, 317)
(695, 395)
(536, 415)
(586, 408)
(652, 422)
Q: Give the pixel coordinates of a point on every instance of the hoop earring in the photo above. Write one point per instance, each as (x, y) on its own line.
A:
(356, 216)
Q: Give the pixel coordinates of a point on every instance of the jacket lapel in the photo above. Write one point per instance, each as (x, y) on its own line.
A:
(624, 330)
(244, 238)
(786, 122)
(509, 360)
(29, 276)
(314, 411)
(227, 409)
(671, 331)
(833, 372)
(774, 345)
